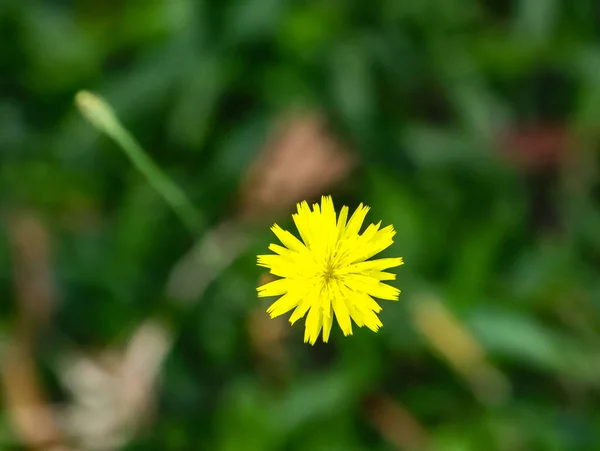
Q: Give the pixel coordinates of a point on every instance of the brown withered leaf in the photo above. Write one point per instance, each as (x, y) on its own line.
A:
(34, 286)
(31, 415)
(395, 423)
(300, 161)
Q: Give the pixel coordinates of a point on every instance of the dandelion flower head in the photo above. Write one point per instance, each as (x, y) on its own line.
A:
(328, 272)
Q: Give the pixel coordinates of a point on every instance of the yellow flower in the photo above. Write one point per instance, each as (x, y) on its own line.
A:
(329, 273)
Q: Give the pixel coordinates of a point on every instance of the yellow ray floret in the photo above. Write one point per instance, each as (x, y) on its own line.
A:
(328, 273)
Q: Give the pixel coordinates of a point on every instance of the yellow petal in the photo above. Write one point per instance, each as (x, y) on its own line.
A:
(383, 239)
(301, 310)
(327, 323)
(356, 221)
(328, 211)
(371, 286)
(302, 221)
(364, 301)
(278, 266)
(341, 222)
(289, 240)
(371, 265)
(379, 275)
(341, 313)
(372, 321)
(356, 315)
(384, 291)
(283, 305)
(314, 322)
(275, 288)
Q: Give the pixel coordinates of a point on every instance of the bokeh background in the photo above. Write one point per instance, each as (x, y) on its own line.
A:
(471, 125)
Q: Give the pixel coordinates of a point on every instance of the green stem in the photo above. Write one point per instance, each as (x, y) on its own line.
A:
(101, 115)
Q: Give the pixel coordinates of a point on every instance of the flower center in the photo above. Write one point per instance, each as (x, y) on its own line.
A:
(329, 274)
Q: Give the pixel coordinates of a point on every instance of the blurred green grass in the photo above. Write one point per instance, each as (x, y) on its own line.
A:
(449, 105)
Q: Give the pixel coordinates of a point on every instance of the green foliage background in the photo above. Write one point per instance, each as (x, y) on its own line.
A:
(431, 94)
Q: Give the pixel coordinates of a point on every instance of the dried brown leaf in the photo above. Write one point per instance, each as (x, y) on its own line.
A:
(299, 162)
